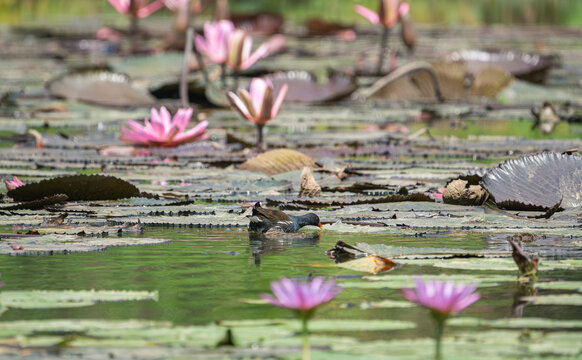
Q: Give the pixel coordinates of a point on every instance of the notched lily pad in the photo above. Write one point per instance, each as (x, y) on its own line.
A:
(304, 88)
(77, 187)
(98, 86)
(536, 182)
(278, 161)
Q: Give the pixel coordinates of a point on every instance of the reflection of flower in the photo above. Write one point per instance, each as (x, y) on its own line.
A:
(140, 8)
(239, 52)
(163, 130)
(303, 297)
(259, 104)
(13, 184)
(1, 283)
(216, 40)
(442, 299)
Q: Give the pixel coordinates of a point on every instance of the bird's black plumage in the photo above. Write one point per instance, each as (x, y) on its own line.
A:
(264, 219)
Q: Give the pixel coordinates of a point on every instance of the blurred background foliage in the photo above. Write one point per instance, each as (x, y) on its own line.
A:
(444, 12)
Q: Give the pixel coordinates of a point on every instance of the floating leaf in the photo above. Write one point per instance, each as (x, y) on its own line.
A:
(562, 299)
(38, 299)
(99, 87)
(304, 88)
(392, 281)
(536, 182)
(76, 187)
(278, 161)
(518, 323)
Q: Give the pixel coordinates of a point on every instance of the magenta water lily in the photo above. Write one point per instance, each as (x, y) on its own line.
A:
(215, 42)
(442, 299)
(303, 297)
(13, 184)
(164, 130)
(137, 8)
(259, 104)
(387, 16)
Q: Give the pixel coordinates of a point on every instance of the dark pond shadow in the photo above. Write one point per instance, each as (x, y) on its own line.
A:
(523, 290)
(271, 242)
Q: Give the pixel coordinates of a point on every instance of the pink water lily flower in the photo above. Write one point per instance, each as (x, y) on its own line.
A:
(303, 296)
(387, 15)
(13, 184)
(140, 8)
(163, 130)
(258, 105)
(442, 298)
(240, 56)
(216, 40)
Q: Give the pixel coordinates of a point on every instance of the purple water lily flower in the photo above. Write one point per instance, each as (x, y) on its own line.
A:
(442, 299)
(215, 42)
(445, 298)
(164, 130)
(259, 104)
(13, 184)
(303, 296)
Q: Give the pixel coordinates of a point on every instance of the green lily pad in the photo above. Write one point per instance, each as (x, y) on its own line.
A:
(563, 299)
(518, 323)
(403, 281)
(37, 299)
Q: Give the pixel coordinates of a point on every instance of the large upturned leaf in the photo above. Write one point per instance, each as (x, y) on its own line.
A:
(278, 161)
(77, 187)
(535, 182)
(97, 86)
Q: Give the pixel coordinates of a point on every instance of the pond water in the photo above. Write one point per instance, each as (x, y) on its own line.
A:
(203, 275)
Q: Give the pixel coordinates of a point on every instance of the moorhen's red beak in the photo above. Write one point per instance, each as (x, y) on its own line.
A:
(320, 226)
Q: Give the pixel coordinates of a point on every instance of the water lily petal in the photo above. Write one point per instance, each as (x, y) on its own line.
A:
(239, 105)
(147, 10)
(369, 14)
(279, 100)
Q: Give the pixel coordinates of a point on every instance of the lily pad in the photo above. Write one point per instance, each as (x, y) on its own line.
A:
(99, 87)
(304, 88)
(278, 161)
(37, 299)
(77, 187)
(518, 323)
(563, 299)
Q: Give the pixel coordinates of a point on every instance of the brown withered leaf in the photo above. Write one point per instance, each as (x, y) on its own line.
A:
(460, 192)
(278, 161)
(309, 187)
(76, 187)
(373, 264)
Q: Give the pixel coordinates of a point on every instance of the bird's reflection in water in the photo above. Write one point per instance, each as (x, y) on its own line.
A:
(276, 241)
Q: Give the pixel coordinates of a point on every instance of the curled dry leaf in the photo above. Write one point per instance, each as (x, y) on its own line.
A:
(536, 182)
(278, 161)
(421, 81)
(309, 187)
(459, 192)
(373, 264)
(76, 187)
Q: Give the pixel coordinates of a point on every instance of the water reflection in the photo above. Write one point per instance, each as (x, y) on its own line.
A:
(273, 242)
(523, 290)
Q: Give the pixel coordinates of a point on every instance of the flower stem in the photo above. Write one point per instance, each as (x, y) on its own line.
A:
(184, 76)
(440, 327)
(223, 75)
(306, 351)
(260, 136)
(133, 33)
(383, 45)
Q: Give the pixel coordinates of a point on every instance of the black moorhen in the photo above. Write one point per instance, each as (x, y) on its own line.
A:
(263, 219)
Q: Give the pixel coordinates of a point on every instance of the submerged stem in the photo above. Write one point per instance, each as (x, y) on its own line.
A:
(223, 75)
(383, 45)
(440, 327)
(133, 33)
